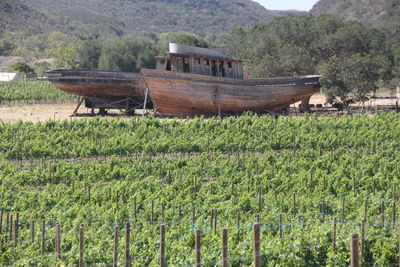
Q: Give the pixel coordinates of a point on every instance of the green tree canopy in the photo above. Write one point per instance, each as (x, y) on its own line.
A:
(351, 57)
(6, 47)
(63, 47)
(128, 55)
(22, 67)
(345, 80)
(88, 54)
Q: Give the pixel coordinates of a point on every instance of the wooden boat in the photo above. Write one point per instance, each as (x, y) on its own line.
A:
(102, 89)
(192, 81)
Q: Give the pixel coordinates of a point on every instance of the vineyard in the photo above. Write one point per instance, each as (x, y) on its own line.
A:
(292, 176)
(25, 90)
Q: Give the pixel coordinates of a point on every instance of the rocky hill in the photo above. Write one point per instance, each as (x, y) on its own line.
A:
(15, 16)
(382, 14)
(93, 18)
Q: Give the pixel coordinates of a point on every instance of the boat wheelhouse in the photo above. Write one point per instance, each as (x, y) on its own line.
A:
(203, 61)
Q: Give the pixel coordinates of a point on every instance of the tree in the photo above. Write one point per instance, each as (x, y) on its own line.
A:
(351, 57)
(41, 67)
(347, 80)
(88, 54)
(63, 47)
(22, 67)
(128, 55)
(6, 47)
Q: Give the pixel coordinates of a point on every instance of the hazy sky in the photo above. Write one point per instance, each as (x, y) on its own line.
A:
(288, 4)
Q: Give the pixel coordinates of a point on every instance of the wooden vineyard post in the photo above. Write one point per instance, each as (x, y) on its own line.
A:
(11, 228)
(33, 231)
(115, 252)
(258, 218)
(365, 210)
(162, 245)
(117, 200)
(334, 235)
(81, 244)
(354, 260)
(259, 200)
(43, 236)
(362, 237)
(15, 233)
(17, 219)
(280, 226)
(225, 260)
(127, 244)
(256, 246)
(7, 224)
(58, 242)
(198, 248)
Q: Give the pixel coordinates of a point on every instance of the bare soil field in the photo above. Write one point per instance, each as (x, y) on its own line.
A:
(36, 113)
(44, 112)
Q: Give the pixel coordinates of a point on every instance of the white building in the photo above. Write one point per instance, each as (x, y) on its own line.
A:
(8, 76)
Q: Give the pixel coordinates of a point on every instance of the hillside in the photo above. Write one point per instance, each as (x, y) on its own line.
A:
(93, 18)
(20, 16)
(382, 14)
(15, 16)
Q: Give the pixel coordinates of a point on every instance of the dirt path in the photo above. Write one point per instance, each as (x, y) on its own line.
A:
(44, 112)
(37, 113)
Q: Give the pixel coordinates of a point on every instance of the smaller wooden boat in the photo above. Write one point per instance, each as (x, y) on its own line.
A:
(102, 89)
(192, 81)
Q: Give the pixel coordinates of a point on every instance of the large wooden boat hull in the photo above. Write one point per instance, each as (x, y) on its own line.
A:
(185, 94)
(105, 85)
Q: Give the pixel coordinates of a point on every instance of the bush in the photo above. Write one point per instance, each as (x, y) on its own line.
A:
(22, 67)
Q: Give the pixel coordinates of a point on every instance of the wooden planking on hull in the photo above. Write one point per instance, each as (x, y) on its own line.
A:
(180, 94)
(101, 84)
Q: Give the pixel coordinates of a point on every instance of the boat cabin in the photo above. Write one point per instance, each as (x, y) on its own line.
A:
(203, 61)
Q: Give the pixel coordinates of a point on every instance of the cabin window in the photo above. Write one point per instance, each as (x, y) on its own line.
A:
(207, 62)
(222, 69)
(186, 66)
(168, 65)
(230, 65)
(214, 68)
(197, 61)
